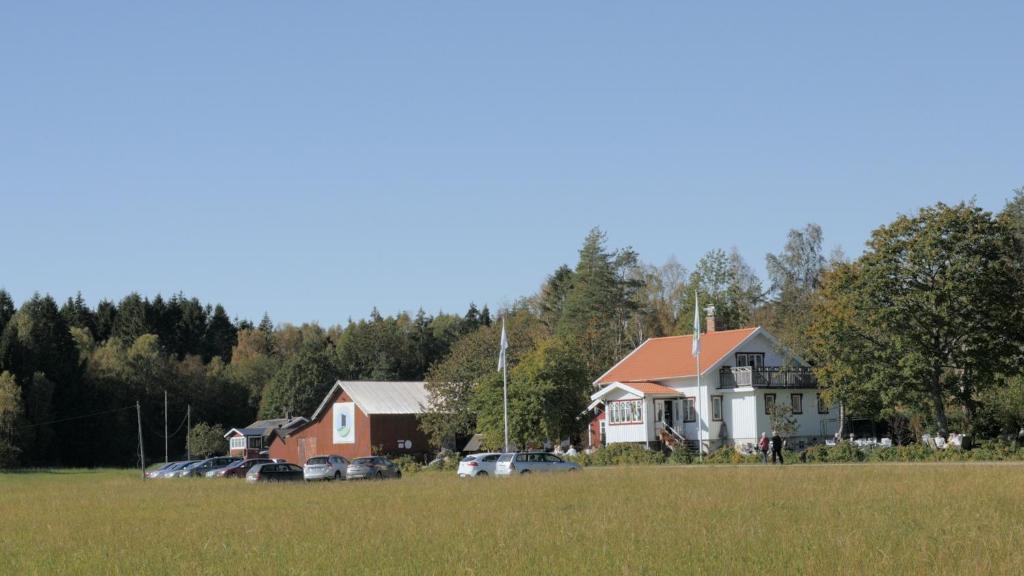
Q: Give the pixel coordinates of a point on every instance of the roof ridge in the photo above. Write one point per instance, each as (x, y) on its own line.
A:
(706, 334)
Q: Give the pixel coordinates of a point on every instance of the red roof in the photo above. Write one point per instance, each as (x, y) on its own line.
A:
(651, 388)
(671, 357)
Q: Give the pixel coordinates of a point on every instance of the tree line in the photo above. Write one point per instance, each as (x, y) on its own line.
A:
(923, 330)
(70, 375)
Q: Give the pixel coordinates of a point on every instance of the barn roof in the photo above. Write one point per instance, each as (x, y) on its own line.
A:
(265, 427)
(379, 397)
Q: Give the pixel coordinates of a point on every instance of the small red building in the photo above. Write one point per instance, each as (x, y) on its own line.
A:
(253, 440)
(359, 419)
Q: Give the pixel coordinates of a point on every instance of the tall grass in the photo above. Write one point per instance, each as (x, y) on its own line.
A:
(857, 519)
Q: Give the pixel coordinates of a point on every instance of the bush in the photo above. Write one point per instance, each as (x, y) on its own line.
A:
(620, 454)
(407, 464)
(729, 455)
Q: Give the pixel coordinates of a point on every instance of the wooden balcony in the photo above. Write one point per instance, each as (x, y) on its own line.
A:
(767, 377)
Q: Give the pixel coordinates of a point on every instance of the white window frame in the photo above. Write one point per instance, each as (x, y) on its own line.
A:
(237, 442)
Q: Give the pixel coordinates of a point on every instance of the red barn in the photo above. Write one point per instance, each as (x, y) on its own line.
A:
(359, 419)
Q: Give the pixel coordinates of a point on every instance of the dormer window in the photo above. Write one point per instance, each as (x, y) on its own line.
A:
(753, 360)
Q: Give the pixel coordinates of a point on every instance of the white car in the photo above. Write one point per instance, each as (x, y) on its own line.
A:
(527, 462)
(478, 464)
(330, 467)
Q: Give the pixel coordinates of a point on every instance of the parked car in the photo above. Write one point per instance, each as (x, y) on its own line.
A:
(155, 471)
(527, 462)
(331, 467)
(274, 472)
(199, 469)
(478, 464)
(177, 469)
(372, 467)
(237, 469)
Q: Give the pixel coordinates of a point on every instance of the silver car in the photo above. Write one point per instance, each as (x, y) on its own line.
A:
(372, 467)
(527, 462)
(481, 465)
(331, 467)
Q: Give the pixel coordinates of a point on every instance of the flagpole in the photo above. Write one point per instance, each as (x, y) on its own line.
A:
(503, 365)
(700, 416)
(504, 378)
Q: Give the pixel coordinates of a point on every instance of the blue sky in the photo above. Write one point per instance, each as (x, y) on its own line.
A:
(314, 160)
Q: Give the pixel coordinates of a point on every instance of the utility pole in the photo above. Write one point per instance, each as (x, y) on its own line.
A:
(142, 454)
(188, 429)
(165, 427)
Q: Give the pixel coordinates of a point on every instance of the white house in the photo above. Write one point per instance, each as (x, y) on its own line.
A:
(651, 395)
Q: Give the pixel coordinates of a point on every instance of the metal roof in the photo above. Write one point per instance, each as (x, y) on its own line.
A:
(380, 397)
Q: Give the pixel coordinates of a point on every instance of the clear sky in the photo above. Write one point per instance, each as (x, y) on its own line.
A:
(315, 159)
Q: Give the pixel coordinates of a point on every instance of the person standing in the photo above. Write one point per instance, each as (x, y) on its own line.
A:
(776, 447)
(762, 446)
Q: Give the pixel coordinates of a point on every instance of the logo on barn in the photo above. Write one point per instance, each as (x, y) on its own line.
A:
(344, 423)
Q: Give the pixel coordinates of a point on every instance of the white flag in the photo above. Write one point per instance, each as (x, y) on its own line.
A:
(504, 347)
(696, 325)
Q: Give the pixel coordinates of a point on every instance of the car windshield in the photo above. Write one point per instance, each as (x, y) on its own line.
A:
(317, 460)
(363, 461)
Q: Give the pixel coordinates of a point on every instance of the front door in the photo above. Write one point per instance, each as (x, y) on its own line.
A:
(667, 414)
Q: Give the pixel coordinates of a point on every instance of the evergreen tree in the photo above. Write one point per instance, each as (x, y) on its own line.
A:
(11, 418)
(77, 314)
(131, 320)
(221, 335)
(106, 316)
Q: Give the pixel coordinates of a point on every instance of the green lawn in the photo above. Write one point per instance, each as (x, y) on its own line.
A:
(830, 519)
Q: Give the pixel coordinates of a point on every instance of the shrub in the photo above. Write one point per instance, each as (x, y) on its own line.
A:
(729, 455)
(621, 454)
(407, 464)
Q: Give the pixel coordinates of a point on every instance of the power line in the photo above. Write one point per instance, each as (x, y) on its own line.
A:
(76, 417)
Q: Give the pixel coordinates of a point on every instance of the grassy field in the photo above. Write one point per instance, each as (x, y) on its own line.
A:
(832, 519)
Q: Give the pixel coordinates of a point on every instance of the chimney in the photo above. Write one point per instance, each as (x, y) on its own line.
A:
(710, 320)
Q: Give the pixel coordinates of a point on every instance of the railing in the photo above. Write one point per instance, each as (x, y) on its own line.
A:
(767, 377)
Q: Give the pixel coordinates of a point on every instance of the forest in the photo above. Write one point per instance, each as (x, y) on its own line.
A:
(925, 330)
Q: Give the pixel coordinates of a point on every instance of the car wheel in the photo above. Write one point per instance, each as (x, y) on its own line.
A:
(398, 475)
(337, 475)
(525, 472)
(483, 474)
(379, 476)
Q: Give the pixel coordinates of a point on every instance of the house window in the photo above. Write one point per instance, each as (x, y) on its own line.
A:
(255, 443)
(796, 401)
(625, 412)
(769, 403)
(822, 405)
(690, 412)
(238, 442)
(716, 408)
(752, 359)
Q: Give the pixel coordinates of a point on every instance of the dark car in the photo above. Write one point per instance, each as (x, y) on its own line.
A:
(372, 467)
(200, 469)
(237, 469)
(274, 472)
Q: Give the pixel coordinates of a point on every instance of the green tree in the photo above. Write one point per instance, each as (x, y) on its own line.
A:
(931, 314)
(795, 275)
(299, 386)
(547, 393)
(207, 440)
(599, 311)
(725, 281)
(7, 309)
(452, 382)
(11, 413)
(221, 335)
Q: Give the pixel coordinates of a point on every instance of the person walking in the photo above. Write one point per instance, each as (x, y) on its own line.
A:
(762, 446)
(776, 447)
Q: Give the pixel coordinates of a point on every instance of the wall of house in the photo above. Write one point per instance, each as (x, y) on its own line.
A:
(641, 432)
(811, 426)
(317, 438)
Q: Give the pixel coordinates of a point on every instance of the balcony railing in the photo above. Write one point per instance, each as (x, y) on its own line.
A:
(767, 377)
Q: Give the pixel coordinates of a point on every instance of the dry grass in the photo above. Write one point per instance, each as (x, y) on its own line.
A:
(858, 519)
